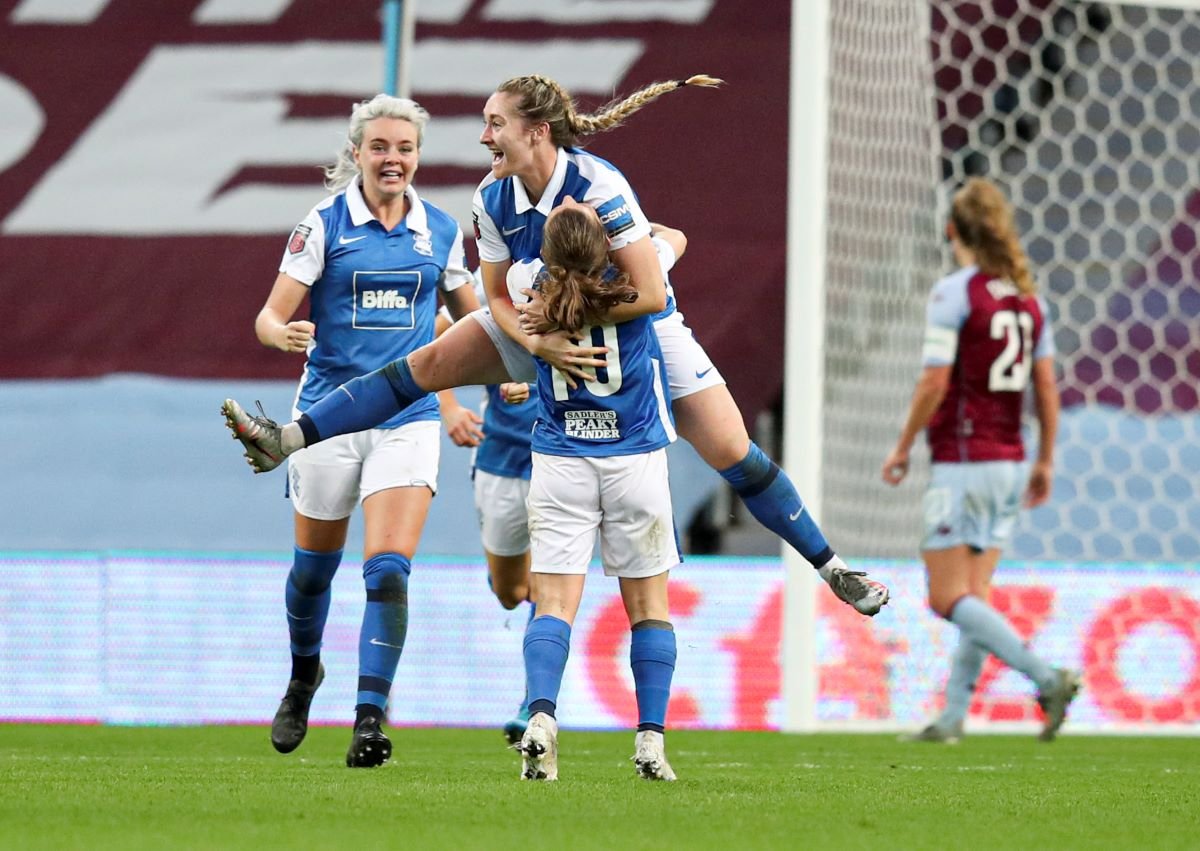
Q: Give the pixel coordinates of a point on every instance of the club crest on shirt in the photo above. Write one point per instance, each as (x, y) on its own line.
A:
(299, 238)
(422, 245)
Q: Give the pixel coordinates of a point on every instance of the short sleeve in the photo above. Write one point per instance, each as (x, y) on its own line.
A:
(304, 257)
(618, 208)
(457, 274)
(520, 277)
(945, 314)
(1044, 347)
(666, 255)
(492, 248)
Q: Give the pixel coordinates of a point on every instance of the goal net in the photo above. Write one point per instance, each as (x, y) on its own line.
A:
(1088, 115)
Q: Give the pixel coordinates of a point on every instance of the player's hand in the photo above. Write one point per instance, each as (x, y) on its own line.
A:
(296, 336)
(514, 392)
(895, 466)
(568, 357)
(463, 425)
(1041, 478)
(531, 315)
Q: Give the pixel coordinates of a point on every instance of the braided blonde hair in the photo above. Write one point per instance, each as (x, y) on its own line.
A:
(541, 99)
(984, 222)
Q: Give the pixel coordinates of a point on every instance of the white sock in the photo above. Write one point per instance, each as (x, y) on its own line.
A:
(826, 570)
(291, 438)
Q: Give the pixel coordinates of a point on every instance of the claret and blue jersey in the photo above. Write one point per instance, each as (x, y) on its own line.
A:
(508, 225)
(373, 295)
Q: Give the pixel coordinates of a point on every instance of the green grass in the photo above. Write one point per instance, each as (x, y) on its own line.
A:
(223, 787)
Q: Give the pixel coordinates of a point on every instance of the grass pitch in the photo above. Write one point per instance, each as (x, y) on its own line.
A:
(224, 788)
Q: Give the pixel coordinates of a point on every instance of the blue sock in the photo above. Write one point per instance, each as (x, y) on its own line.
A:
(385, 624)
(987, 627)
(532, 615)
(652, 657)
(307, 597)
(547, 644)
(774, 502)
(965, 666)
(361, 403)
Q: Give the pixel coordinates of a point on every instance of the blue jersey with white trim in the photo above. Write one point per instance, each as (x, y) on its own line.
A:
(507, 435)
(373, 292)
(509, 226)
(625, 411)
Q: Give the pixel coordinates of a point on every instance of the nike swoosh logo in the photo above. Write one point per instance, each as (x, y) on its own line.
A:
(345, 241)
(511, 231)
(702, 373)
(796, 516)
(379, 643)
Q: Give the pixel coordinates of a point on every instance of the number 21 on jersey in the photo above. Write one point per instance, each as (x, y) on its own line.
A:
(1016, 330)
(600, 335)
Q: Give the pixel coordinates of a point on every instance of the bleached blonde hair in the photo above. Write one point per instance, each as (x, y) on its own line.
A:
(344, 169)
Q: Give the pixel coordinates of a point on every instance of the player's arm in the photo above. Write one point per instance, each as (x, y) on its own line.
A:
(274, 325)
(463, 426)
(931, 389)
(673, 237)
(944, 316)
(1046, 404)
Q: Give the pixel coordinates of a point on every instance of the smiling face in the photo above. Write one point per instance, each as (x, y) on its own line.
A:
(512, 140)
(388, 158)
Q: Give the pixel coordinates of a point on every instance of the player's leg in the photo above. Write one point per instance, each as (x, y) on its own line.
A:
(708, 418)
(966, 663)
(638, 545)
(504, 531)
(564, 514)
(398, 482)
(323, 505)
(961, 507)
(467, 353)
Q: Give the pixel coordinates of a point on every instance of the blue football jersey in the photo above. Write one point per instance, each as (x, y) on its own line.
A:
(507, 433)
(509, 226)
(625, 411)
(373, 293)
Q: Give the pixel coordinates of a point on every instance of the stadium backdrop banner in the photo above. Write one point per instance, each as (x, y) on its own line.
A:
(176, 145)
(130, 638)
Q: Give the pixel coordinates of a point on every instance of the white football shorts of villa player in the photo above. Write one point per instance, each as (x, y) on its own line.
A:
(508, 226)
(373, 297)
(599, 456)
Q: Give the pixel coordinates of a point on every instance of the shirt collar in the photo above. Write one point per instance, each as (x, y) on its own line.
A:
(546, 203)
(360, 214)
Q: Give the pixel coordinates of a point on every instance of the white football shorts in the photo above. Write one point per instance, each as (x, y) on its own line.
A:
(503, 516)
(517, 361)
(974, 503)
(328, 479)
(626, 498)
(689, 369)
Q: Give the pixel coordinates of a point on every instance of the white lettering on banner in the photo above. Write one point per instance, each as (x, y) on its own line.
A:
(57, 11)
(211, 11)
(597, 11)
(192, 116)
(23, 121)
(239, 11)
